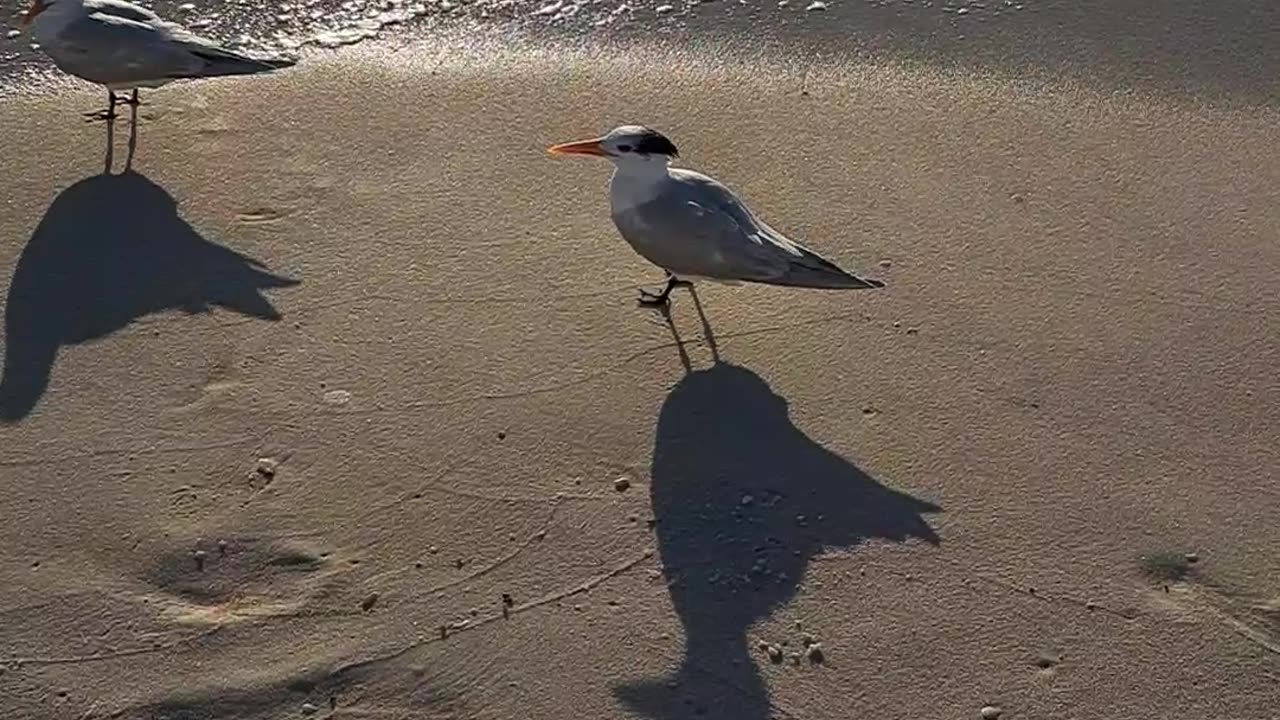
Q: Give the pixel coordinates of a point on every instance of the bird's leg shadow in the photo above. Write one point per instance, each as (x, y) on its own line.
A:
(110, 157)
(706, 326)
(105, 115)
(662, 298)
(133, 133)
(675, 335)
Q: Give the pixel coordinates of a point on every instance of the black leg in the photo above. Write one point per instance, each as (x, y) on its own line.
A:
(660, 299)
(110, 113)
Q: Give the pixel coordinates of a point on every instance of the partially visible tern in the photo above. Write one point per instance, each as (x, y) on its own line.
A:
(692, 226)
(126, 47)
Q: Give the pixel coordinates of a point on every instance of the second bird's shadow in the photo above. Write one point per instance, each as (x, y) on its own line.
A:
(109, 250)
(744, 500)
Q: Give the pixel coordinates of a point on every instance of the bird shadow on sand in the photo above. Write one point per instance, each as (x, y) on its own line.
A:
(744, 500)
(110, 250)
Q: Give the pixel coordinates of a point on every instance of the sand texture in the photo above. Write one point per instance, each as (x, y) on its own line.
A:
(339, 402)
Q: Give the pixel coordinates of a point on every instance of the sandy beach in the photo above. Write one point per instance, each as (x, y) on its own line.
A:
(338, 402)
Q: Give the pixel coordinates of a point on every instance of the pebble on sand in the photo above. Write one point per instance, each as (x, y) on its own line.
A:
(267, 467)
(663, 9)
(13, 34)
(990, 712)
(816, 5)
(621, 484)
(815, 654)
(368, 603)
(775, 653)
(309, 709)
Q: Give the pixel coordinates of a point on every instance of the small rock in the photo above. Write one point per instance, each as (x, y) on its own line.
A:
(816, 5)
(886, 263)
(962, 11)
(368, 603)
(334, 397)
(222, 547)
(199, 556)
(990, 712)
(815, 654)
(775, 653)
(309, 709)
(1193, 557)
(747, 499)
(267, 467)
(13, 34)
(621, 484)
(807, 640)
(663, 9)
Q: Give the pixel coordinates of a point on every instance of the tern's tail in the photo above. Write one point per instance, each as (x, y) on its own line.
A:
(813, 271)
(218, 62)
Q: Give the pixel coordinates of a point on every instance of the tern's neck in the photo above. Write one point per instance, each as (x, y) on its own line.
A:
(635, 183)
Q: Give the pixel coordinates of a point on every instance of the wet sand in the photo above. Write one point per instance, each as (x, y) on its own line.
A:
(339, 403)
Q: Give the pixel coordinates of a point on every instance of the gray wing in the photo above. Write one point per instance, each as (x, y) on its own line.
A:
(109, 49)
(697, 227)
(689, 238)
(115, 50)
(121, 9)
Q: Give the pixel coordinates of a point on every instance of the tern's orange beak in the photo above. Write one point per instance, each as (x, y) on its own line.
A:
(37, 7)
(581, 147)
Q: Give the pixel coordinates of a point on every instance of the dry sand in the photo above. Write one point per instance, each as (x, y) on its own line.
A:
(347, 359)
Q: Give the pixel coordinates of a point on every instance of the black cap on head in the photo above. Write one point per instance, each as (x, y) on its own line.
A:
(652, 142)
(640, 140)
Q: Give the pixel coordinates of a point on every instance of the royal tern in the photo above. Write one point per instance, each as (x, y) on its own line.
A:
(693, 227)
(126, 47)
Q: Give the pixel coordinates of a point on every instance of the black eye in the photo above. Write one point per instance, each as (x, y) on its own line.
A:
(624, 148)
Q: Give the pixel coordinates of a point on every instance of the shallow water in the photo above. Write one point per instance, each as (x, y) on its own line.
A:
(1220, 52)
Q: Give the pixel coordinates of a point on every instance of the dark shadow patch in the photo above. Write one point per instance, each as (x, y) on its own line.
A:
(743, 501)
(110, 250)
